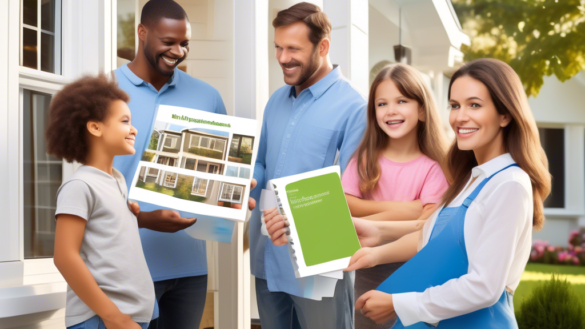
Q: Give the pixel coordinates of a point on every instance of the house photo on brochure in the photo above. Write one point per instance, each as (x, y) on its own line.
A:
(198, 163)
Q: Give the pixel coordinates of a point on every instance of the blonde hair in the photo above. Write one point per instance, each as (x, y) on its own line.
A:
(430, 135)
(521, 137)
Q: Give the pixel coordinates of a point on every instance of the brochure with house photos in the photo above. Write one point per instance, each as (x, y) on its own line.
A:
(198, 163)
(322, 236)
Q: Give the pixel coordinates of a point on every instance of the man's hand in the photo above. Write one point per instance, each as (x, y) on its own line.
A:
(163, 220)
(363, 258)
(277, 226)
(367, 232)
(377, 306)
(251, 201)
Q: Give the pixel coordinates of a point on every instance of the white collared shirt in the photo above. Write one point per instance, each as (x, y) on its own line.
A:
(498, 238)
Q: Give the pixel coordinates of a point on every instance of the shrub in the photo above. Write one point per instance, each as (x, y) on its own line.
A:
(552, 304)
(183, 188)
(147, 156)
(206, 152)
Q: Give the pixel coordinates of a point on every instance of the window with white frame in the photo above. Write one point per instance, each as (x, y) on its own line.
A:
(231, 193)
(207, 143)
(553, 143)
(241, 172)
(171, 141)
(42, 176)
(40, 35)
(170, 179)
(199, 186)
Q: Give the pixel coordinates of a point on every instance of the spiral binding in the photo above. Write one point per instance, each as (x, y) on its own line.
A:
(281, 212)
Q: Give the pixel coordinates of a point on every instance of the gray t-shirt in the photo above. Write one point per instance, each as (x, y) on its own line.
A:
(111, 247)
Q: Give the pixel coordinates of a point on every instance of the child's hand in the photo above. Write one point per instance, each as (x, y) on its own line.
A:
(367, 232)
(122, 321)
(276, 226)
(363, 258)
(377, 306)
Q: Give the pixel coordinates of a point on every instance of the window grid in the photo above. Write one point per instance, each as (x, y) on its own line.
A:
(39, 31)
(199, 186)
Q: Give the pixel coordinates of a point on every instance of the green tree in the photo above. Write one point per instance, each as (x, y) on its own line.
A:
(153, 141)
(535, 37)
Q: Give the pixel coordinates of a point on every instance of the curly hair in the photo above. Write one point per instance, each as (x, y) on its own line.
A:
(86, 99)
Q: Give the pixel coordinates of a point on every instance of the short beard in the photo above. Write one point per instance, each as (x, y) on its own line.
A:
(153, 60)
(312, 67)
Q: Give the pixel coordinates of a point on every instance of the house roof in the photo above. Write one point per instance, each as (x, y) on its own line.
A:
(205, 134)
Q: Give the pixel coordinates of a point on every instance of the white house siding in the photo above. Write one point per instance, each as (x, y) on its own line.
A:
(561, 105)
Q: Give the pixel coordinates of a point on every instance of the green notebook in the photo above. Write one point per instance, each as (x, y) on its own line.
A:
(323, 237)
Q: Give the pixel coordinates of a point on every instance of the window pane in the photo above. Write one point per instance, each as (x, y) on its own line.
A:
(194, 141)
(29, 12)
(244, 173)
(190, 164)
(42, 176)
(232, 171)
(47, 53)
(219, 145)
(227, 192)
(29, 48)
(202, 186)
(237, 194)
(48, 15)
(553, 143)
(126, 34)
(205, 142)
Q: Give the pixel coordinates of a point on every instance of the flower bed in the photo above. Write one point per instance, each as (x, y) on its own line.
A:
(574, 254)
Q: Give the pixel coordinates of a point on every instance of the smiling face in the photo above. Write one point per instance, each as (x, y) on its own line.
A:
(475, 120)
(296, 54)
(396, 114)
(117, 132)
(167, 44)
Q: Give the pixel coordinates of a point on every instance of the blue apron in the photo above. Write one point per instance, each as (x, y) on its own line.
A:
(445, 258)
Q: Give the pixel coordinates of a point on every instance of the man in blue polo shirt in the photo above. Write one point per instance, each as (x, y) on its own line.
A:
(177, 262)
(308, 124)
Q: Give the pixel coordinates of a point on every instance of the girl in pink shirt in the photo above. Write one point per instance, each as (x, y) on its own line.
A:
(396, 173)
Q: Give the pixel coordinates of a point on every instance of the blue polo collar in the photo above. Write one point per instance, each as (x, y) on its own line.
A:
(137, 81)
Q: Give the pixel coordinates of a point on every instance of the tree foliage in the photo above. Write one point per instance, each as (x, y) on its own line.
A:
(536, 37)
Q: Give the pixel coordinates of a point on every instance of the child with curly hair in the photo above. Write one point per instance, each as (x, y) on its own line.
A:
(97, 244)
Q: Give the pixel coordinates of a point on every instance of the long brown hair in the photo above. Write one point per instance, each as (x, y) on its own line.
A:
(521, 138)
(430, 135)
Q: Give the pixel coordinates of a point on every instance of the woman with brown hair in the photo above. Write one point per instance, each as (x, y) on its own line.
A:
(476, 246)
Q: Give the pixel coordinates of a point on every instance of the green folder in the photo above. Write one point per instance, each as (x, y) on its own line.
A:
(322, 219)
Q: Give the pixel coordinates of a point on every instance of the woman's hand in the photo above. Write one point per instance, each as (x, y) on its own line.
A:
(363, 258)
(121, 321)
(377, 306)
(277, 226)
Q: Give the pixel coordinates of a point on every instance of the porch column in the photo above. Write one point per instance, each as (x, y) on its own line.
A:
(349, 39)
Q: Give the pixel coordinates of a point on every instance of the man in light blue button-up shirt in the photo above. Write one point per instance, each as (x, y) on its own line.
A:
(314, 121)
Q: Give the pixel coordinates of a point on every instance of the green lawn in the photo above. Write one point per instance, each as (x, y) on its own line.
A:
(525, 288)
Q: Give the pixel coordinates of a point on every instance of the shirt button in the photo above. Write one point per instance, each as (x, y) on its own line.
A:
(288, 136)
(293, 123)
